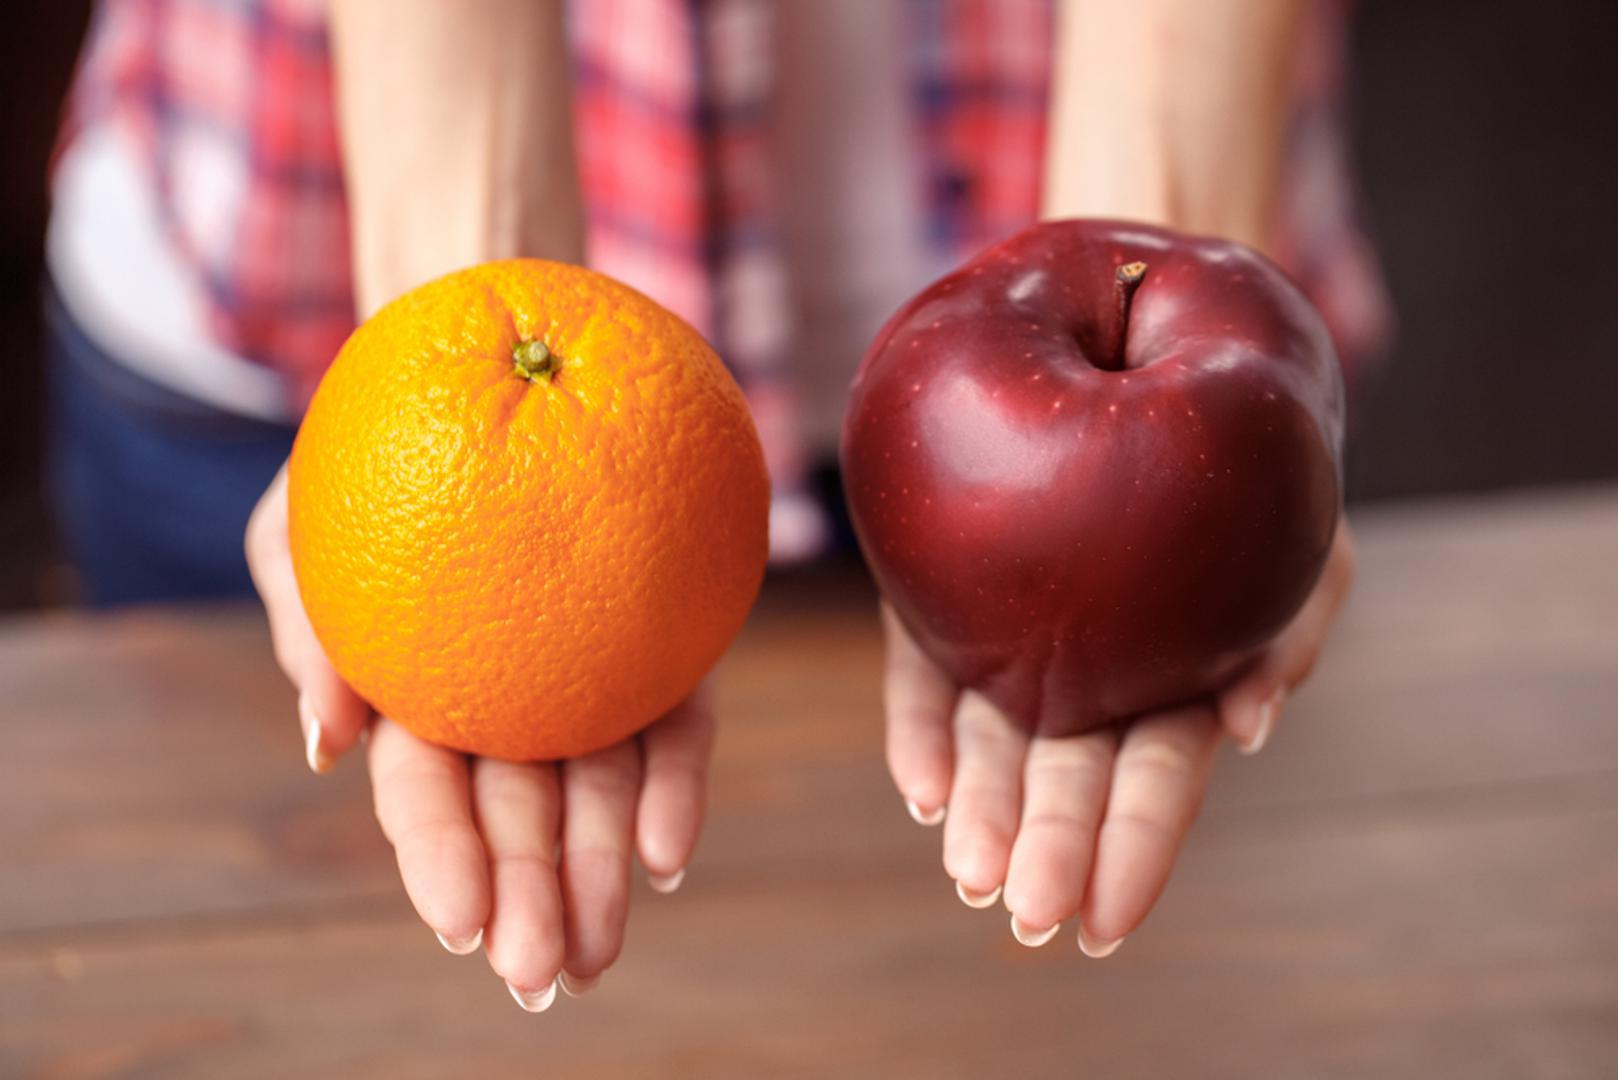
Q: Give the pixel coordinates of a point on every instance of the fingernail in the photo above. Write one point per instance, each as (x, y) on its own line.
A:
(1029, 937)
(1097, 950)
(976, 899)
(461, 946)
(666, 883)
(313, 752)
(924, 817)
(534, 1001)
(577, 985)
(1267, 713)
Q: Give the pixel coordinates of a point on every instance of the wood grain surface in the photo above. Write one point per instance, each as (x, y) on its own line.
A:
(1419, 877)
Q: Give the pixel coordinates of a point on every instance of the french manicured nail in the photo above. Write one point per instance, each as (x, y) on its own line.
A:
(1097, 950)
(313, 750)
(577, 985)
(924, 817)
(461, 946)
(534, 1001)
(1032, 938)
(666, 883)
(976, 899)
(1267, 714)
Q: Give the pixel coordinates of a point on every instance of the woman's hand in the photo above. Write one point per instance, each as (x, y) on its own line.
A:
(1086, 825)
(532, 861)
(1173, 114)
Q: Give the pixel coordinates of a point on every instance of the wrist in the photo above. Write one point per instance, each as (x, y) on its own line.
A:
(1170, 114)
(1144, 176)
(457, 138)
(398, 248)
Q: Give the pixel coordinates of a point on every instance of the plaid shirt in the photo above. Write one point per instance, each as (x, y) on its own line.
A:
(231, 101)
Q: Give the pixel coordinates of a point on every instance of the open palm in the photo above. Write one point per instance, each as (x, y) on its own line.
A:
(529, 860)
(1084, 825)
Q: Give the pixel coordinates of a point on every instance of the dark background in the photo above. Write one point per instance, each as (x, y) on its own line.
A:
(1490, 190)
(1485, 143)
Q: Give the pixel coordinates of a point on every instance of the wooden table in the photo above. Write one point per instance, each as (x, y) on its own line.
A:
(1418, 878)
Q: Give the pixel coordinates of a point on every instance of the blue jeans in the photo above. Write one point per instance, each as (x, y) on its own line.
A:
(151, 489)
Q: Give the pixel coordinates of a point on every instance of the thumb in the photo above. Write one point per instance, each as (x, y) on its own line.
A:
(1250, 707)
(332, 715)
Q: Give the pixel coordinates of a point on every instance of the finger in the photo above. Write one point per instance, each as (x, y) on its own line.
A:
(675, 790)
(1158, 783)
(1065, 785)
(331, 714)
(1250, 707)
(985, 800)
(599, 792)
(518, 808)
(333, 718)
(423, 802)
(919, 700)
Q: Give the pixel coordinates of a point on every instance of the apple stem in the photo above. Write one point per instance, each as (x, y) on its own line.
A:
(1127, 279)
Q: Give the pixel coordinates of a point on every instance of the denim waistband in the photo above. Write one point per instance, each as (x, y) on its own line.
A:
(151, 401)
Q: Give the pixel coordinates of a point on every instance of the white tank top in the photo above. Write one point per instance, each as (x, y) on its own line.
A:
(121, 279)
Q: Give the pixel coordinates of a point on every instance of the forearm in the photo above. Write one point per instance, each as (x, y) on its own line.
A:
(1171, 111)
(457, 137)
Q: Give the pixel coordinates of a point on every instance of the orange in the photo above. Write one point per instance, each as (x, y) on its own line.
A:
(528, 510)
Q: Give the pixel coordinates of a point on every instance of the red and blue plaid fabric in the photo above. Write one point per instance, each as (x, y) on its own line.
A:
(231, 101)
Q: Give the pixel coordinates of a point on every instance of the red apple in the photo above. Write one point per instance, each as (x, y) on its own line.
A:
(1097, 468)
